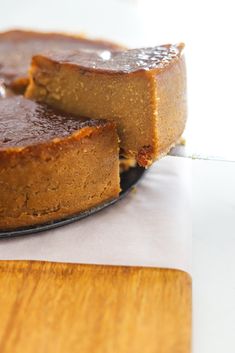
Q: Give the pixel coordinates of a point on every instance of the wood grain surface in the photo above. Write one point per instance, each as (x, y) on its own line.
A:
(55, 308)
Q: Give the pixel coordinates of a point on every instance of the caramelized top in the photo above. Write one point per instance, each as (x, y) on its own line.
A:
(17, 48)
(24, 122)
(125, 61)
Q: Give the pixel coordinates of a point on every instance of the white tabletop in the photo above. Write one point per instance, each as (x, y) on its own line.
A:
(213, 256)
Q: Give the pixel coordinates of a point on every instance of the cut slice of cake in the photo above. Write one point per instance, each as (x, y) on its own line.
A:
(18, 46)
(142, 90)
(53, 165)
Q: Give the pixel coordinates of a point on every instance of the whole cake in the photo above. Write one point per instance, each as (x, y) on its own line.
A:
(18, 46)
(142, 90)
(53, 164)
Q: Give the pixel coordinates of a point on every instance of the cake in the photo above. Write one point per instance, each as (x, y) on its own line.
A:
(142, 90)
(52, 164)
(18, 46)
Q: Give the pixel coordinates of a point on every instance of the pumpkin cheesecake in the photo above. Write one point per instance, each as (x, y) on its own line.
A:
(18, 46)
(53, 165)
(142, 90)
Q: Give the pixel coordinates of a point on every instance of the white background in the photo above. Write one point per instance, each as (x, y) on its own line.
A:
(213, 256)
(207, 28)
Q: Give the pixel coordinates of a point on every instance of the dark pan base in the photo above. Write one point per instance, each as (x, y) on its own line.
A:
(128, 180)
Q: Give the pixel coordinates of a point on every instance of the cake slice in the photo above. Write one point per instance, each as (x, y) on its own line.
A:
(142, 90)
(18, 46)
(53, 165)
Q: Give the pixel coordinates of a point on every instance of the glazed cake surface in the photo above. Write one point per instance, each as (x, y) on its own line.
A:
(18, 46)
(142, 90)
(26, 123)
(53, 165)
(121, 62)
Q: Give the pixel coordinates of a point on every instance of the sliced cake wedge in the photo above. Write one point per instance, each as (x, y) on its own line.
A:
(142, 90)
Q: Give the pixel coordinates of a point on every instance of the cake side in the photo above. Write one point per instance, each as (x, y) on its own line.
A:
(171, 106)
(48, 184)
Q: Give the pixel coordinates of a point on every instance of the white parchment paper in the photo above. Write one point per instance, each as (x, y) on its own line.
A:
(152, 227)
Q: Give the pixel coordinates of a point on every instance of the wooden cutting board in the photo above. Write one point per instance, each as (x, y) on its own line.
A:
(68, 308)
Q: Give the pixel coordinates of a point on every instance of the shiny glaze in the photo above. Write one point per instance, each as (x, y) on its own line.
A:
(125, 61)
(17, 48)
(5, 91)
(24, 122)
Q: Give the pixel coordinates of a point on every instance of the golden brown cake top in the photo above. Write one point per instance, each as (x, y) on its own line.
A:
(17, 47)
(24, 123)
(124, 61)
